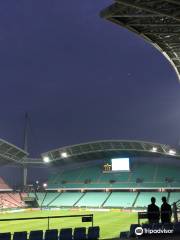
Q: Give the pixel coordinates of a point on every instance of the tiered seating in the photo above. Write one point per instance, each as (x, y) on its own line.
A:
(92, 199)
(79, 233)
(6, 201)
(121, 199)
(93, 173)
(142, 175)
(118, 177)
(3, 185)
(144, 198)
(67, 199)
(22, 195)
(39, 196)
(49, 198)
(167, 171)
(16, 199)
(142, 171)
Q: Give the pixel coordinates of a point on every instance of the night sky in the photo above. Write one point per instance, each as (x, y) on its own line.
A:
(81, 78)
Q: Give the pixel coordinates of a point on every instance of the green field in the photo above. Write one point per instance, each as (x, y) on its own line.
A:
(111, 223)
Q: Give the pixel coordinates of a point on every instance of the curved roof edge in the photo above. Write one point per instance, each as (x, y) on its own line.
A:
(159, 24)
(108, 149)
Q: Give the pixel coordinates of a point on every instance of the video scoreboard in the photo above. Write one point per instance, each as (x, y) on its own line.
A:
(117, 165)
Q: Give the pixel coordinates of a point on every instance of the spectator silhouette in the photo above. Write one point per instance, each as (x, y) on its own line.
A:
(153, 212)
(166, 211)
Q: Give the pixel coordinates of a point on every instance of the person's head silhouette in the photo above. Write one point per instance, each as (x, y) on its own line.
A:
(153, 200)
(164, 199)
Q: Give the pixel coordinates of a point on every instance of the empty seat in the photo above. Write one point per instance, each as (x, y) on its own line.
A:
(36, 235)
(80, 233)
(65, 234)
(20, 236)
(93, 233)
(51, 234)
(5, 236)
(124, 235)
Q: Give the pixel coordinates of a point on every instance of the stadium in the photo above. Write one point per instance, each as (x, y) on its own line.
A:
(99, 189)
(86, 182)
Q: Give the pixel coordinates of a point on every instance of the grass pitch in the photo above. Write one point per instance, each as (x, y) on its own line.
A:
(111, 223)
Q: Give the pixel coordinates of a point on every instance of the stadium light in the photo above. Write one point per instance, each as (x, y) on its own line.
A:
(44, 185)
(154, 149)
(172, 152)
(46, 159)
(64, 155)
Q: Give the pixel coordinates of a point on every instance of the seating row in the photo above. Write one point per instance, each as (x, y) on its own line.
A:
(52, 234)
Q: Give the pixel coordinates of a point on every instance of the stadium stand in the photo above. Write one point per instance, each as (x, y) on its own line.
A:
(167, 172)
(3, 185)
(92, 199)
(39, 196)
(50, 197)
(157, 176)
(103, 199)
(144, 198)
(121, 199)
(10, 200)
(67, 199)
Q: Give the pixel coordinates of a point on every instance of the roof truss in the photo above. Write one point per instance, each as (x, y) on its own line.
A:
(157, 21)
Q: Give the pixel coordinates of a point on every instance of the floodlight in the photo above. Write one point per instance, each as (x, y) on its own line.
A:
(64, 155)
(44, 185)
(172, 152)
(46, 159)
(154, 149)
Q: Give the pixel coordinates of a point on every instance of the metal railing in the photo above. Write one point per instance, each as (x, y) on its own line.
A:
(85, 218)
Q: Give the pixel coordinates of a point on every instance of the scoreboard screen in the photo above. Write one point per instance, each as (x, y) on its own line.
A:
(120, 164)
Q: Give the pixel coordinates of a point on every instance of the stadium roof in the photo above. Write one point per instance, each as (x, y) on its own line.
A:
(107, 149)
(157, 21)
(9, 153)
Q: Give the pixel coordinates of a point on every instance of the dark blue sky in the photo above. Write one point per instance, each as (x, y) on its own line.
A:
(80, 77)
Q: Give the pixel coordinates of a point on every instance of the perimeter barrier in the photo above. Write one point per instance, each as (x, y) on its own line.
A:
(85, 218)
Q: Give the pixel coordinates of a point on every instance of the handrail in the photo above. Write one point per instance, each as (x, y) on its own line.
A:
(50, 217)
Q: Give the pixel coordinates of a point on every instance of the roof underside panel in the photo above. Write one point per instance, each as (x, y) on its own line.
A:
(9, 153)
(108, 149)
(157, 21)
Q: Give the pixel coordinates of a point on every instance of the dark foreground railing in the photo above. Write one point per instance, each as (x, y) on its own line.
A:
(85, 218)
